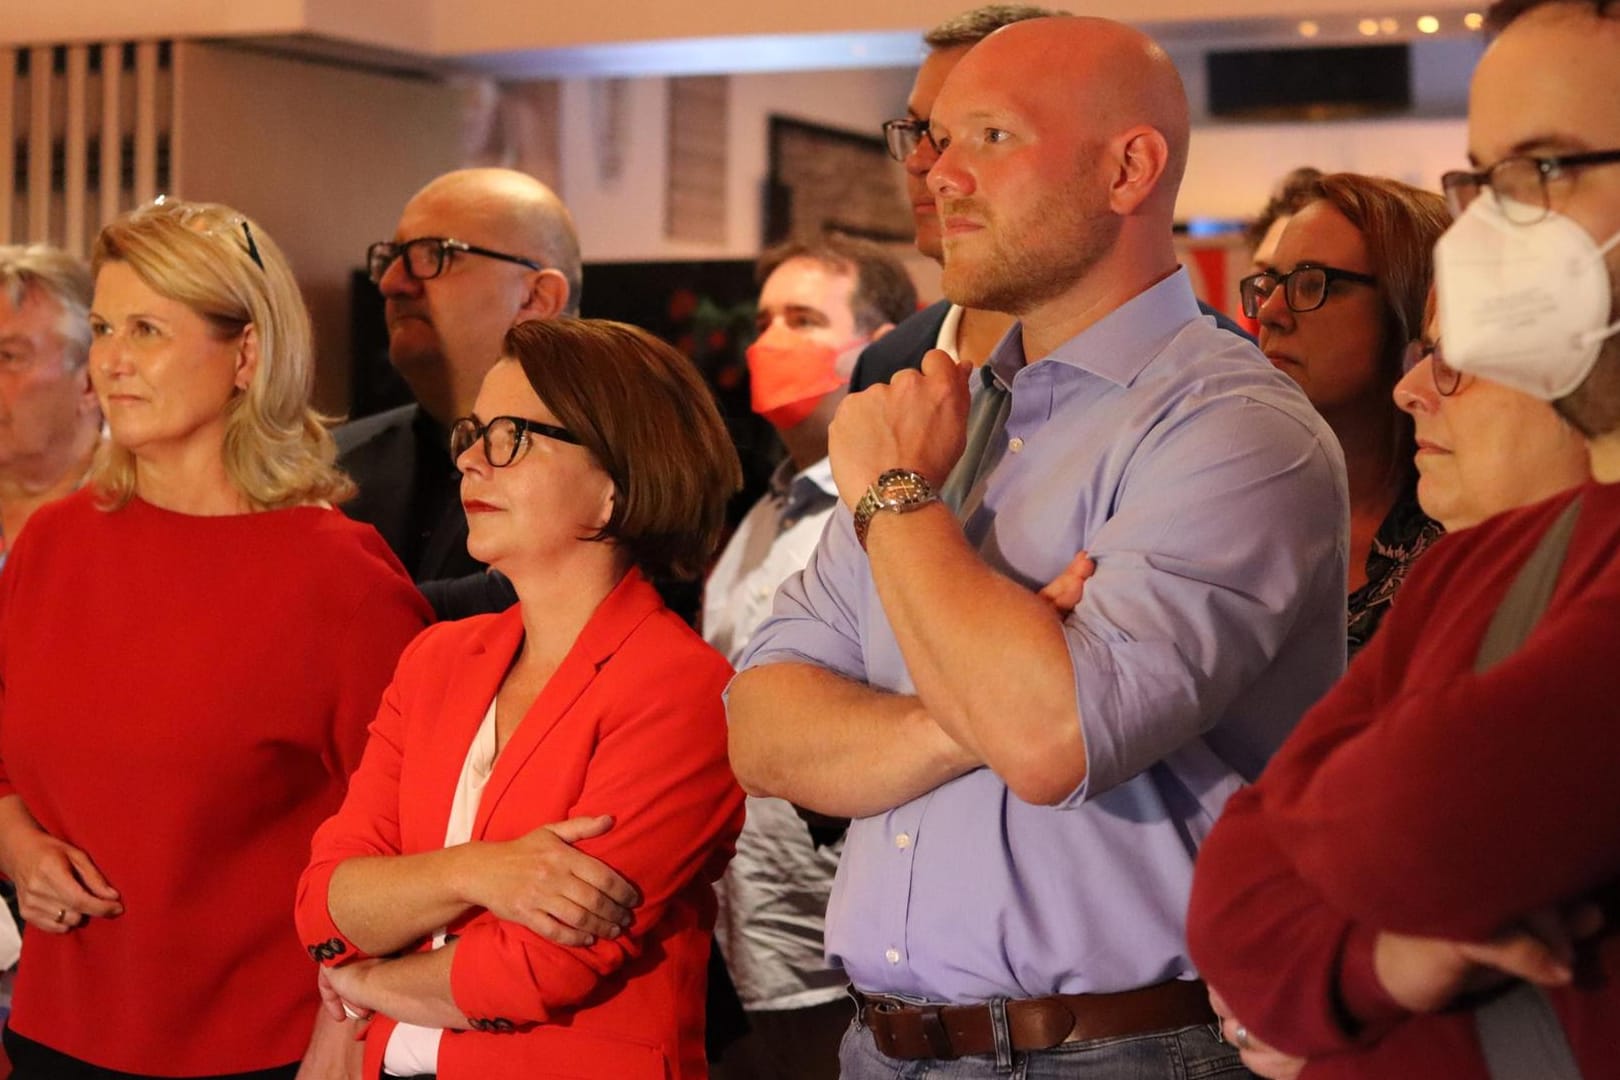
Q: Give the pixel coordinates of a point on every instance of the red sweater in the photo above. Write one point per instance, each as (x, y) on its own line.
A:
(1422, 798)
(183, 698)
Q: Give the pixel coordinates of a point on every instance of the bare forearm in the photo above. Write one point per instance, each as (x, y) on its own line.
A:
(958, 624)
(413, 989)
(820, 741)
(385, 903)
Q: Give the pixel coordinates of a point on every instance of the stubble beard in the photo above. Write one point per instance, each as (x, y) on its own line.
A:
(1029, 262)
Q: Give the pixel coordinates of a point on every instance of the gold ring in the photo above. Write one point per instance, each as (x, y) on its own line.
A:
(61, 914)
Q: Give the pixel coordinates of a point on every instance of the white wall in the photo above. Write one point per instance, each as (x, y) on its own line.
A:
(1232, 167)
(623, 220)
(321, 156)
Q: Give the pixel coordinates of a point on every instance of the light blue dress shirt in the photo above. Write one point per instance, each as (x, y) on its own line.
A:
(1213, 499)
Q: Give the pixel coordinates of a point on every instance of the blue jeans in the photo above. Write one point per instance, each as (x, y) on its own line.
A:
(1190, 1053)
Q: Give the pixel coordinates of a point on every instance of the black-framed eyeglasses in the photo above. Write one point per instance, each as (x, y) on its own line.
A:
(904, 136)
(1519, 183)
(503, 436)
(426, 256)
(1305, 288)
(1447, 379)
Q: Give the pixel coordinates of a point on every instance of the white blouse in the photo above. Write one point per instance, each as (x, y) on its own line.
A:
(412, 1049)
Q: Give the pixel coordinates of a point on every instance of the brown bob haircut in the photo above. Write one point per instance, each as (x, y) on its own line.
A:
(649, 420)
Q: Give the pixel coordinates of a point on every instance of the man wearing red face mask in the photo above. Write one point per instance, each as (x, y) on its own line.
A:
(820, 304)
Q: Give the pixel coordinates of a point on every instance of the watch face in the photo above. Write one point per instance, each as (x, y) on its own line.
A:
(902, 487)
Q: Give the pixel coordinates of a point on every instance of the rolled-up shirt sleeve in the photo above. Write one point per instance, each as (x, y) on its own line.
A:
(1202, 572)
(815, 618)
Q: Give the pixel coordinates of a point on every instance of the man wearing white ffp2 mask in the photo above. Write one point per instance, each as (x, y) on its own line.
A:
(1527, 276)
(1525, 295)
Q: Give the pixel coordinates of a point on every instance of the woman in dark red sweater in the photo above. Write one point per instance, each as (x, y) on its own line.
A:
(190, 651)
(1437, 820)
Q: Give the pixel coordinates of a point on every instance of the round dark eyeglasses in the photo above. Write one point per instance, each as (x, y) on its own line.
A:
(504, 437)
(1305, 288)
(1447, 379)
(904, 136)
(1519, 183)
(427, 256)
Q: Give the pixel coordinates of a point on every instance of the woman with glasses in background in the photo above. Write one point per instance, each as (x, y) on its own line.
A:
(595, 459)
(1338, 303)
(191, 649)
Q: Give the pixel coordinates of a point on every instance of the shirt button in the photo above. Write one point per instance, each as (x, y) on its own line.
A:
(1015, 444)
(892, 956)
(903, 841)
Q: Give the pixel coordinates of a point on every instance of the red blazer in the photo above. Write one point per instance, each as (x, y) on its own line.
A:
(631, 724)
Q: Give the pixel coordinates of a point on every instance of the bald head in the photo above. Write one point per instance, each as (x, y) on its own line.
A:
(1100, 77)
(445, 330)
(1063, 142)
(525, 213)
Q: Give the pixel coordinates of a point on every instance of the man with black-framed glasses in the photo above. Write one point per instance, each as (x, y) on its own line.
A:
(475, 251)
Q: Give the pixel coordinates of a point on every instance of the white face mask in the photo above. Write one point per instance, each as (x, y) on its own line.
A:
(1527, 306)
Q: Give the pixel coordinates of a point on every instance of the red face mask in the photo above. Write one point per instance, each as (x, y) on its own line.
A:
(788, 377)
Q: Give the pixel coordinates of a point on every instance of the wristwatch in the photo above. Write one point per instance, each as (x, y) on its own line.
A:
(900, 490)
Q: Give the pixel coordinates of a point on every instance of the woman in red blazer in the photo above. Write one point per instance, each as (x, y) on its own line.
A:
(483, 942)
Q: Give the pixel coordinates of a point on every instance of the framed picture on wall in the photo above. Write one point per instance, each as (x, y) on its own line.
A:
(825, 179)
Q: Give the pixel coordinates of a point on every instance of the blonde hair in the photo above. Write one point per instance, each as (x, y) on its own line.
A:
(215, 261)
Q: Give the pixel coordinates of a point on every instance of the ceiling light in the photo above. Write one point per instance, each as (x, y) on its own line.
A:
(1473, 20)
(1368, 27)
(1428, 24)
(1308, 29)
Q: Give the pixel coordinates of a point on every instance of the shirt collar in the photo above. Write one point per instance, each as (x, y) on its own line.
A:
(949, 330)
(1122, 343)
(807, 487)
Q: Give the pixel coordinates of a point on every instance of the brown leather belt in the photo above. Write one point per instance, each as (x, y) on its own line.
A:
(917, 1032)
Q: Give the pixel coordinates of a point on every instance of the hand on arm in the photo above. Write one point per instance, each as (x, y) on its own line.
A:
(833, 746)
(1424, 974)
(540, 880)
(953, 616)
(1065, 591)
(58, 886)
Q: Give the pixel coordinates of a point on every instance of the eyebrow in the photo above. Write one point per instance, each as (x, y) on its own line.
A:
(148, 316)
(1547, 143)
(796, 309)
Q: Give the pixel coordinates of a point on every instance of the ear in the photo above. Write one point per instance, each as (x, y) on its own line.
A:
(605, 511)
(1140, 156)
(247, 357)
(546, 298)
(89, 404)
